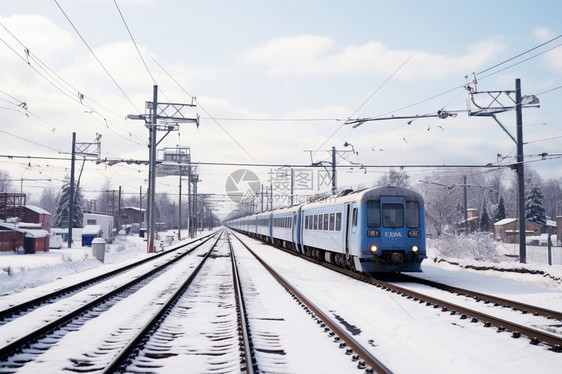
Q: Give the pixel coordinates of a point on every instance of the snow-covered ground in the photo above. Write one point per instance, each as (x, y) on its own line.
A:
(20, 272)
(25, 276)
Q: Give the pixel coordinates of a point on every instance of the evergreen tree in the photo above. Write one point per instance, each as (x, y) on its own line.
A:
(500, 214)
(63, 206)
(484, 218)
(534, 208)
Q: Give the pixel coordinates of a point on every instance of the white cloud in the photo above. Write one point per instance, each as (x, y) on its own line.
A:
(312, 55)
(543, 34)
(37, 33)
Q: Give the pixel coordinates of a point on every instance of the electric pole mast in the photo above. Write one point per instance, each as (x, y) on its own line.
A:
(499, 102)
(171, 116)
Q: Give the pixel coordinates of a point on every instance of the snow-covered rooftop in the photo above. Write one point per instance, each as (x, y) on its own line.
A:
(37, 210)
(505, 221)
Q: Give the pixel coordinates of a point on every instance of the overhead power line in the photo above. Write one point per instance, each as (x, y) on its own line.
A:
(96, 57)
(134, 42)
(520, 54)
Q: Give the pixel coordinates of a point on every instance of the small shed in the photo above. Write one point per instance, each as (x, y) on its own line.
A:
(89, 233)
(11, 238)
(36, 241)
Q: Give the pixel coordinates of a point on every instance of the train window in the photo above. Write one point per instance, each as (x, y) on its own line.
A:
(412, 214)
(393, 215)
(326, 221)
(315, 221)
(320, 223)
(306, 222)
(290, 221)
(338, 221)
(354, 217)
(374, 213)
(332, 221)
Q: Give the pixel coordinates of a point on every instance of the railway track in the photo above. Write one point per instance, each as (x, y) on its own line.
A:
(363, 358)
(19, 310)
(536, 336)
(486, 298)
(32, 347)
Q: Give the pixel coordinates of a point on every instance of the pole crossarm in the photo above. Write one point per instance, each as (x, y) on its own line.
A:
(172, 112)
(497, 102)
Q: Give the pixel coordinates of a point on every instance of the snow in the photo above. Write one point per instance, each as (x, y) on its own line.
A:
(390, 325)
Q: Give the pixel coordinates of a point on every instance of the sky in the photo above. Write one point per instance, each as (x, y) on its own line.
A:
(272, 81)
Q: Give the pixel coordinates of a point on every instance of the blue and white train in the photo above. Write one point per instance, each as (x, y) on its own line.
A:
(372, 230)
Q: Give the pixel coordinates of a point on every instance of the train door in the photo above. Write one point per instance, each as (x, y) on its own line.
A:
(348, 221)
(298, 230)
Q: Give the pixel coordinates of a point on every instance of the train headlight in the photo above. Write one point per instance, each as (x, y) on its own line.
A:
(415, 248)
(414, 233)
(373, 233)
(374, 248)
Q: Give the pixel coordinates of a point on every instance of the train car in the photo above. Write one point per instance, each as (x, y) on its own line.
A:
(284, 227)
(374, 230)
(263, 229)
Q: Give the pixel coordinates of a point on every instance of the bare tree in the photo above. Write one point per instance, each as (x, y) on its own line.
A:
(5, 181)
(552, 190)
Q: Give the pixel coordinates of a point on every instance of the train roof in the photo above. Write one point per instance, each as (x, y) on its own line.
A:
(367, 194)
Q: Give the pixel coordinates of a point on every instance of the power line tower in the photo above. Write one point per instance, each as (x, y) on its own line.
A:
(170, 116)
(490, 103)
(79, 149)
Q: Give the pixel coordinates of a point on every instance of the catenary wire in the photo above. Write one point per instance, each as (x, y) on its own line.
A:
(96, 57)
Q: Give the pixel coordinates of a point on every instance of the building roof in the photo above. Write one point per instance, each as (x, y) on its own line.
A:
(36, 233)
(133, 208)
(37, 210)
(505, 221)
(9, 227)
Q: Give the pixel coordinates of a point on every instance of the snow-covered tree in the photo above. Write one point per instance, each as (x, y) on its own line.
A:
(48, 200)
(484, 218)
(394, 178)
(5, 182)
(534, 209)
(106, 199)
(552, 190)
(62, 212)
(500, 214)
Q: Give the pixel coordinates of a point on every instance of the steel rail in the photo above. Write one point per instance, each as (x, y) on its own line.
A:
(486, 297)
(250, 363)
(18, 343)
(8, 312)
(119, 360)
(361, 351)
(535, 336)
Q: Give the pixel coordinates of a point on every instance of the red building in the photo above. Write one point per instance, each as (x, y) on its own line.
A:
(34, 214)
(11, 238)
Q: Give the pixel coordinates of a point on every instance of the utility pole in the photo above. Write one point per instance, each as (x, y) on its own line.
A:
(71, 207)
(172, 115)
(81, 149)
(465, 206)
(520, 174)
(333, 170)
(499, 102)
(333, 164)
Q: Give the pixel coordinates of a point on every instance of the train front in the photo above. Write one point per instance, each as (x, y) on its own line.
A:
(393, 235)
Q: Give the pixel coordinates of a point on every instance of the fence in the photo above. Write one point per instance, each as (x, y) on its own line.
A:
(538, 254)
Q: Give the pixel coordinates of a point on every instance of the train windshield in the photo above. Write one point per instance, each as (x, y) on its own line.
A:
(393, 215)
(373, 213)
(412, 214)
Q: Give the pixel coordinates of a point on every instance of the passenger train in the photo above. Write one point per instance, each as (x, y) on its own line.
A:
(372, 230)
